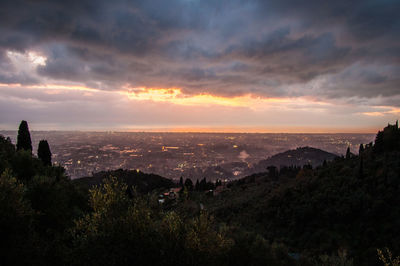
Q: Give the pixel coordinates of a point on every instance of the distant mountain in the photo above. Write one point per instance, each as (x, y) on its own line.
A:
(297, 157)
(143, 182)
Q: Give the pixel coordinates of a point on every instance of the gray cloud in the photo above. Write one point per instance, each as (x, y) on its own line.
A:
(221, 47)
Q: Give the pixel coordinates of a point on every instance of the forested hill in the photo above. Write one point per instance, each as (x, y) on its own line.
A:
(348, 205)
(142, 182)
(296, 157)
(339, 213)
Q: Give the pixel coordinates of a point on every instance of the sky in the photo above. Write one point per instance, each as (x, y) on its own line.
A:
(200, 65)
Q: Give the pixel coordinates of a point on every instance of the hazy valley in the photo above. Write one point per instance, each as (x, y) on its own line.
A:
(172, 155)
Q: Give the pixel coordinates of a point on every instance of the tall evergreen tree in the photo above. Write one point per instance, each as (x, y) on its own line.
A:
(203, 184)
(348, 154)
(361, 149)
(379, 145)
(44, 152)
(24, 137)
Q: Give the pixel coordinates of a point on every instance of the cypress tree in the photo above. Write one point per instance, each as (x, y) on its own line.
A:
(203, 184)
(44, 152)
(24, 137)
(348, 154)
(361, 149)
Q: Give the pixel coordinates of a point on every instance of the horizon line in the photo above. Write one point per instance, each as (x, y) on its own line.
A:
(228, 130)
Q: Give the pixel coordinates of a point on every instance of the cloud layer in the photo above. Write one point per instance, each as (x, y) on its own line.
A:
(341, 52)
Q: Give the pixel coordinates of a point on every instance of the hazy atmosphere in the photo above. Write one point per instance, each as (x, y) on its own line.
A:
(200, 132)
(187, 65)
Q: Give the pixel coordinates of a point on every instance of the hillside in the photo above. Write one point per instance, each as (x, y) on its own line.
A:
(142, 182)
(348, 205)
(338, 213)
(298, 157)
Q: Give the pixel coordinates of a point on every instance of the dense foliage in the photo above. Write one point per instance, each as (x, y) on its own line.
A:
(44, 152)
(348, 204)
(24, 137)
(47, 219)
(336, 214)
(296, 157)
(142, 182)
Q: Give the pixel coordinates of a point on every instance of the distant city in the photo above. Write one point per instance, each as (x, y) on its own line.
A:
(172, 155)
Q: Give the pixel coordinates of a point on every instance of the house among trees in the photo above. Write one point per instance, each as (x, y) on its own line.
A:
(171, 194)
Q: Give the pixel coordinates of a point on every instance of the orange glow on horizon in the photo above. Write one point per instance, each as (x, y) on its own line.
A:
(284, 107)
(176, 96)
(172, 95)
(389, 110)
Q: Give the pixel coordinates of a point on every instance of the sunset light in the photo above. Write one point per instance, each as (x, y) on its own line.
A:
(199, 132)
(175, 96)
(237, 66)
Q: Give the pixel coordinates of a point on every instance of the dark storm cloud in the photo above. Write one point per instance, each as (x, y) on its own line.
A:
(364, 20)
(281, 55)
(365, 80)
(220, 47)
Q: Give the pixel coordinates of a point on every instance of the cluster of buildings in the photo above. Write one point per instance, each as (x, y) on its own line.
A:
(172, 155)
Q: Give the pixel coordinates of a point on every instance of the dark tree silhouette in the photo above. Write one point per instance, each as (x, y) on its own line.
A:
(348, 154)
(189, 184)
(361, 150)
(44, 152)
(203, 184)
(24, 137)
(378, 147)
(388, 139)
